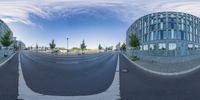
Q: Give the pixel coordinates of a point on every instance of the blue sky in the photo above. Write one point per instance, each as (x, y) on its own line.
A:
(95, 21)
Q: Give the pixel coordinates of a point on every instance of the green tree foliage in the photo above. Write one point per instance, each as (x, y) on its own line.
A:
(83, 46)
(109, 48)
(6, 40)
(75, 49)
(123, 47)
(36, 46)
(15, 46)
(52, 44)
(100, 47)
(134, 41)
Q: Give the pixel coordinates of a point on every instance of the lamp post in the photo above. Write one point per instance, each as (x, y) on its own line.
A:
(67, 45)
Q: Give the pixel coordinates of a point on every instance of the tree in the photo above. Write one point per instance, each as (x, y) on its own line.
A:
(123, 47)
(15, 46)
(100, 47)
(6, 40)
(75, 49)
(36, 46)
(134, 41)
(52, 44)
(110, 48)
(83, 46)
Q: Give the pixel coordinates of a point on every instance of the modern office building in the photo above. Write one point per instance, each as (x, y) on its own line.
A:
(166, 34)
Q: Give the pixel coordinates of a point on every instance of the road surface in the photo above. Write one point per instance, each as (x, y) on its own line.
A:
(9, 79)
(138, 84)
(68, 76)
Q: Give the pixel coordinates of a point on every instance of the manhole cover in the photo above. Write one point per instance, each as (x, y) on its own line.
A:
(124, 70)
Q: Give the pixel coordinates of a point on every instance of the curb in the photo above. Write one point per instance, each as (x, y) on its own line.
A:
(163, 73)
(1, 64)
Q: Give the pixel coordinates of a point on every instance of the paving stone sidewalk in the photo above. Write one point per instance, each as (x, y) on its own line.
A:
(169, 64)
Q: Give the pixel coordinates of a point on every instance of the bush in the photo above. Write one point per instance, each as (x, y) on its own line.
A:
(5, 55)
(135, 58)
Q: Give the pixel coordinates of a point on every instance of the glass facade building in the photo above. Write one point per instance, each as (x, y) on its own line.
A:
(167, 34)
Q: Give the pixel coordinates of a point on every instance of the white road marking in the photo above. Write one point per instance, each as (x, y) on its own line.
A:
(25, 93)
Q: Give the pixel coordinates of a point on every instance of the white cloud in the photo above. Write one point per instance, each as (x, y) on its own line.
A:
(124, 10)
(18, 11)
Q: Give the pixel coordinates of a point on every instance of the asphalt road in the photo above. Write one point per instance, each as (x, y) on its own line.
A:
(68, 76)
(138, 84)
(91, 74)
(9, 80)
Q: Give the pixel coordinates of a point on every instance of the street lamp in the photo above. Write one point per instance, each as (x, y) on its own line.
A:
(67, 45)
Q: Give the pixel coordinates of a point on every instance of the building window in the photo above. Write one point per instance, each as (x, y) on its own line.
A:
(162, 46)
(161, 35)
(171, 25)
(172, 35)
(152, 47)
(161, 26)
(196, 47)
(145, 37)
(145, 47)
(187, 36)
(141, 47)
(190, 28)
(151, 21)
(151, 36)
(152, 27)
(145, 24)
(199, 40)
(182, 35)
(196, 31)
(179, 26)
(165, 34)
(182, 21)
(164, 26)
(190, 46)
(157, 35)
(190, 36)
(172, 46)
(182, 26)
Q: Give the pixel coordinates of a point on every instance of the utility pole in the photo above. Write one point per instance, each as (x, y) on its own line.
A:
(67, 45)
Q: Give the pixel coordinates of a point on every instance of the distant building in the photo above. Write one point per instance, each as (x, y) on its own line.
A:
(14, 38)
(20, 45)
(167, 34)
(118, 46)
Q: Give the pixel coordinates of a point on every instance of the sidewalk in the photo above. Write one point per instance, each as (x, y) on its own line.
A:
(4, 59)
(169, 64)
